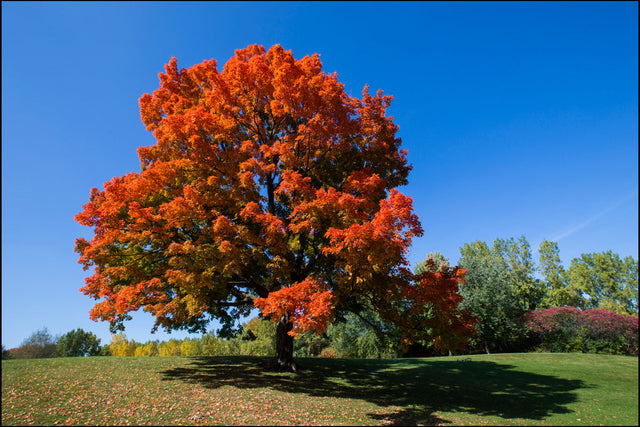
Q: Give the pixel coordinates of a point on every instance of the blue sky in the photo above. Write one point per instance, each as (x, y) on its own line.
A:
(520, 119)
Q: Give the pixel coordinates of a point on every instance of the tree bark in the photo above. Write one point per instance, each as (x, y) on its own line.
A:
(283, 360)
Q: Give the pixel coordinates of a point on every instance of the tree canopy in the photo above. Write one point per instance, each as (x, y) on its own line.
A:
(78, 343)
(268, 186)
(606, 281)
(557, 292)
(490, 294)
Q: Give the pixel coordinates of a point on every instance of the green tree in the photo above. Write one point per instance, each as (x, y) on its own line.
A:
(230, 347)
(78, 343)
(515, 256)
(40, 344)
(488, 293)
(606, 282)
(557, 292)
(310, 345)
(258, 337)
(364, 335)
(476, 250)
(105, 350)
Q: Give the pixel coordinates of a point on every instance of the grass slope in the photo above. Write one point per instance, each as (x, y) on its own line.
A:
(500, 389)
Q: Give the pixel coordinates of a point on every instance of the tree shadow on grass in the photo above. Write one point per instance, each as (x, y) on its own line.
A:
(419, 386)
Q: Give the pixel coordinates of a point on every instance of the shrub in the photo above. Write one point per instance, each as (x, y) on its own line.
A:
(568, 329)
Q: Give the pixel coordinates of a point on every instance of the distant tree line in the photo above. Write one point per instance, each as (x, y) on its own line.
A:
(41, 344)
(590, 307)
(501, 288)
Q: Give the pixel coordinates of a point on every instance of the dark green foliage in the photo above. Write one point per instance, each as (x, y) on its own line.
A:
(364, 335)
(78, 343)
(6, 354)
(490, 296)
(308, 344)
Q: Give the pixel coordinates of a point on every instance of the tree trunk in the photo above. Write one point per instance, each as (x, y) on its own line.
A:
(283, 360)
(486, 346)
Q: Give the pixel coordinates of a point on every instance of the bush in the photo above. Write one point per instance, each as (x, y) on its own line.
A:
(568, 329)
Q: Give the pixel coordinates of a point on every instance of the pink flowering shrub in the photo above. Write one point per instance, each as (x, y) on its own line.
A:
(561, 329)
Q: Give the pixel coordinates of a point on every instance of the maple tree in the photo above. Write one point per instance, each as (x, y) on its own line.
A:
(268, 187)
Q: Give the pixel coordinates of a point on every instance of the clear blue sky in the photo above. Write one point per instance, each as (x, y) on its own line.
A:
(519, 118)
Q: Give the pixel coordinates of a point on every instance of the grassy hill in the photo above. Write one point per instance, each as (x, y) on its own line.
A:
(499, 389)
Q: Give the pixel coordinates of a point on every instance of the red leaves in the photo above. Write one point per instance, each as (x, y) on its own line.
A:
(308, 303)
(436, 292)
(263, 173)
(604, 322)
(272, 225)
(381, 241)
(569, 326)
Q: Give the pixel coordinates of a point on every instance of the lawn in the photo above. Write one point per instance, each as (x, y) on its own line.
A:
(500, 389)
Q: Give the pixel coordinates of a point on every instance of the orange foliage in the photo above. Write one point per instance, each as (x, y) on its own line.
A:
(267, 182)
(307, 303)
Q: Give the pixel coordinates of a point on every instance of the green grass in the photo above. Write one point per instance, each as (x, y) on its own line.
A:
(500, 389)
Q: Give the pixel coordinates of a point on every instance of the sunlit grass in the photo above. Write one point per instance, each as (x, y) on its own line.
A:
(501, 389)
